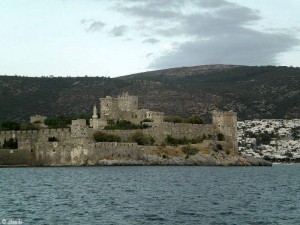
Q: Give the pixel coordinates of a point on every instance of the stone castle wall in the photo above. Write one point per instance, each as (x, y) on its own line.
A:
(76, 146)
(75, 153)
(159, 131)
(35, 135)
(16, 157)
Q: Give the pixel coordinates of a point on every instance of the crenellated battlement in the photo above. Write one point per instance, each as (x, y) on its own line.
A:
(115, 144)
(35, 135)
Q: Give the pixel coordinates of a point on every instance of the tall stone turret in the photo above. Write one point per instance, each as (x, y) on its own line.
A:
(95, 120)
(226, 124)
(127, 102)
(95, 115)
(106, 107)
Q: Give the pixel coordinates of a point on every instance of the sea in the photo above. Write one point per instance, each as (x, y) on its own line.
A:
(151, 195)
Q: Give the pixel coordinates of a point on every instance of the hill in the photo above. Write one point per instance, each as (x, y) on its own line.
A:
(251, 91)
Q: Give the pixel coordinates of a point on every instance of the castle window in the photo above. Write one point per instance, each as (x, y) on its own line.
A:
(53, 150)
(135, 116)
(31, 150)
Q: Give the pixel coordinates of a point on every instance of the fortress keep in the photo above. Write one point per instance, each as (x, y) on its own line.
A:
(124, 107)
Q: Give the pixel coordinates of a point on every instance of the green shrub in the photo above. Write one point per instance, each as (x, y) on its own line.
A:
(196, 140)
(219, 147)
(289, 154)
(176, 141)
(173, 119)
(142, 139)
(30, 126)
(220, 137)
(10, 144)
(61, 121)
(52, 139)
(189, 150)
(100, 136)
(182, 141)
(164, 156)
(10, 125)
(124, 125)
(195, 119)
(147, 120)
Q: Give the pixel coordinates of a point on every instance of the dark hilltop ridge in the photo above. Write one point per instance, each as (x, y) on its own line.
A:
(251, 91)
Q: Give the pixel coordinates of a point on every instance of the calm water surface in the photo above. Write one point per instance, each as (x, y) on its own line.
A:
(151, 195)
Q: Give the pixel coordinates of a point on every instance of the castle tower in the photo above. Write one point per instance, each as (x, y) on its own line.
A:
(127, 102)
(106, 106)
(226, 123)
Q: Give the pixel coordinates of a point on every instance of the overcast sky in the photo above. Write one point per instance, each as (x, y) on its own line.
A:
(119, 37)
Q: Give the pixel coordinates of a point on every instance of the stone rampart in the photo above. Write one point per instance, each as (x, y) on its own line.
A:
(35, 135)
(80, 152)
(159, 131)
(15, 157)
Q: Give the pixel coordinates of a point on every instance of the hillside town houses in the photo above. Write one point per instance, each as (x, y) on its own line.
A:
(270, 138)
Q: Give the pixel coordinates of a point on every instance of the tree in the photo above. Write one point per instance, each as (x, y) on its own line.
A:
(61, 121)
(142, 139)
(189, 150)
(124, 125)
(10, 144)
(195, 119)
(10, 125)
(173, 119)
(100, 136)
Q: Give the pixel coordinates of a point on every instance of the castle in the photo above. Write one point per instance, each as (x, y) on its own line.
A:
(124, 107)
(76, 145)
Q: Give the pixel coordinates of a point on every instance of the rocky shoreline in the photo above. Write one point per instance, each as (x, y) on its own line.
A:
(151, 156)
(192, 161)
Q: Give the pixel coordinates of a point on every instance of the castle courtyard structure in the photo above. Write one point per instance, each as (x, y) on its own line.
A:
(124, 107)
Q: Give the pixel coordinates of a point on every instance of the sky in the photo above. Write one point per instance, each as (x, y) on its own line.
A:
(120, 37)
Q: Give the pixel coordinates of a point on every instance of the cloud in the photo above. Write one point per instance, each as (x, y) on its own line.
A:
(208, 32)
(151, 41)
(213, 3)
(155, 9)
(248, 48)
(119, 31)
(93, 25)
(149, 55)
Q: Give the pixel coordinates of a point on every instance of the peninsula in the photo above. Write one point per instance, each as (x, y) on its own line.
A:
(122, 134)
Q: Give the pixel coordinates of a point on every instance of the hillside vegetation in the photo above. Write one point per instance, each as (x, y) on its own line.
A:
(251, 91)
